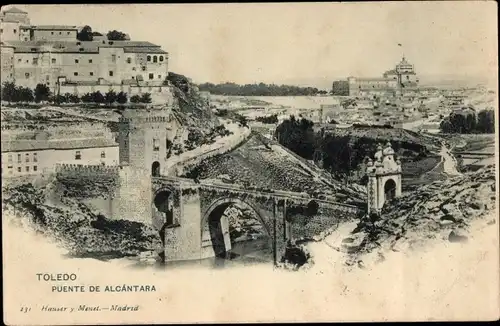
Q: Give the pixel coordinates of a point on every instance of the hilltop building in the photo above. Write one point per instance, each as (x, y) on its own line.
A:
(393, 81)
(52, 55)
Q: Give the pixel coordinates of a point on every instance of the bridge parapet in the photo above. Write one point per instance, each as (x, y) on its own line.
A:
(255, 192)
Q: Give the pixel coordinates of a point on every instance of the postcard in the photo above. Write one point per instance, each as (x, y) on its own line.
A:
(257, 162)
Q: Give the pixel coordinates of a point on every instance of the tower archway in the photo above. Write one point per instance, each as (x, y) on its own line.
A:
(155, 169)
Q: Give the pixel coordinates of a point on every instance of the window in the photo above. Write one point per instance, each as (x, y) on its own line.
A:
(148, 58)
(159, 76)
(77, 61)
(51, 33)
(156, 145)
(75, 73)
(1, 30)
(113, 58)
(27, 157)
(27, 75)
(143, 68)
(19, 60)
(161, 58)
(151, 76)
(19, 169)
(67, 33)
(53, 60)
(133, 69)
(129, 60)
(27, 169)
(35, 157)
(15, 31)
(103, 154)
(90, 60)
(10, 158)
(35, 61)
(78, 155)
(18, 158)
(91, 73)
(155, 59)
(60, 33)
(111, 73)
(35, 168)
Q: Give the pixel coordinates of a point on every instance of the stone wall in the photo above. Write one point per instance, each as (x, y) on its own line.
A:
(133, 200)
(187, 160)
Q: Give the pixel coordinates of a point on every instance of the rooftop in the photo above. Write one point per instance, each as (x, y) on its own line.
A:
(34, 145)
(54, 27)
(8, 20)
(14, 10)
(84, 46)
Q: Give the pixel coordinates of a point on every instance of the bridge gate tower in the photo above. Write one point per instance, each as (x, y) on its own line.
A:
(143, 151)
(384, 178)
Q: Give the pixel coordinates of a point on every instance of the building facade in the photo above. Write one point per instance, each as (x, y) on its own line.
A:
(31, 157)
(394, 81)
(53, 56)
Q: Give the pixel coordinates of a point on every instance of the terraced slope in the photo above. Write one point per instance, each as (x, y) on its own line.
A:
(259, 162)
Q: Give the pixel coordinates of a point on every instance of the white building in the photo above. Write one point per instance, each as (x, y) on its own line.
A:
(32, 157)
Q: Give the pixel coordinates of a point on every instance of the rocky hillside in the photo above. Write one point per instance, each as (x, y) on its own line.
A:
(74, 225)
(262, 163)
(442, 209)
(191, 109)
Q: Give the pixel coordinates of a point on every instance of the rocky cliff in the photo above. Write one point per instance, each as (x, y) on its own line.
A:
(442, 209)
(74, 225)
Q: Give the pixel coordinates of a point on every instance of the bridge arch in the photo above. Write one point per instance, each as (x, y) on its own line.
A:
(212, 219)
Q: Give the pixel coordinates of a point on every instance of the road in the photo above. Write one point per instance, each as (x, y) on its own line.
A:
(449, 161)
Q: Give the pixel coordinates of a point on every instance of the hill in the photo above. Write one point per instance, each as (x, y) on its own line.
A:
(443, 209)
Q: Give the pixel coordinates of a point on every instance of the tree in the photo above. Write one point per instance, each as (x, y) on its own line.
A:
(42, 93)
(486, 121)
(60, 99)
(135, 99)
(121, 98)
(110, 97)
(26, 94)
(340, 88)
(146, 98)
(87, 98)
(9, 92)
(272, 119)
(97, 97)
(85, 34)
(72, 98)
(115, 35)
(298, 136)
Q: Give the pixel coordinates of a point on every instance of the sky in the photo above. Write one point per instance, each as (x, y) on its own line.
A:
(301, 43)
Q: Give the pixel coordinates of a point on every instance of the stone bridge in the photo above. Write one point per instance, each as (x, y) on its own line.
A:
(190, 213)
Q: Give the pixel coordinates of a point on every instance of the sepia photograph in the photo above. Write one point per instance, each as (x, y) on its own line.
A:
(249, 162)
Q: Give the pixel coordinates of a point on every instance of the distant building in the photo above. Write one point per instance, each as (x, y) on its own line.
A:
(52, 55)
(393, 81)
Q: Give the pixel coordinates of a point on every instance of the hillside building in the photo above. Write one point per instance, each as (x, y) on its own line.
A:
(52, 55)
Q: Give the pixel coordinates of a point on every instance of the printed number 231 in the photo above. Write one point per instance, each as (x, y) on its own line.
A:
(25, 309)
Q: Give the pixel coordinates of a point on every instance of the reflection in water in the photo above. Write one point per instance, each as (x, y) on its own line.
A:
(243, 253)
